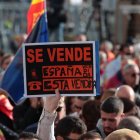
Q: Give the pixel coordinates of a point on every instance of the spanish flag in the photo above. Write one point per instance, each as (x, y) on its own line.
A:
(13, 79)
(36, 9)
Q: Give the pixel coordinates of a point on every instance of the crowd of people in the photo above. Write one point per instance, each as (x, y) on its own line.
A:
(114, 115)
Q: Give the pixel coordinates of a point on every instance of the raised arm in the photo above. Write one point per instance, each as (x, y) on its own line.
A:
(46, 123)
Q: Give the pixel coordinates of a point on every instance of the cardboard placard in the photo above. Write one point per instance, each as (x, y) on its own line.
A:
(72, 67)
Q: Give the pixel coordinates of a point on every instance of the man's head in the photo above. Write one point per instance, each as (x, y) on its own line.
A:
(78, 103)
(111, 114)
(131, 74)
(123, 134)
(6, 60)
(130, 107)
(91, 118)
(125, 91)
(127, 50)
(130, 122)
(28, 136)
(70, 128)
(90, 136)
(80, 37)
(106, 46)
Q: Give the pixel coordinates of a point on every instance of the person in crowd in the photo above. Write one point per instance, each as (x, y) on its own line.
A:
(107, 47)
(128, 76)
(126, 52)
(27, 113)
(67, 128)
(5, 61)
(137, 54)
(28, 136)
(77, 105)
(8, 133)
(130, 122)
(103, 62)
(90, 136)
(137, 100)
(131, 74)
(127, 95)
(16, 42)
(123, 134)
(6, 110)
(80, 37)
(130, 108)
(61, 113)
(70, 127)
(91, 114)
(137, 59)
(111, 114)
(69, 102)
(118, 75)
(116, 49)
(125, 91)
(107, 93)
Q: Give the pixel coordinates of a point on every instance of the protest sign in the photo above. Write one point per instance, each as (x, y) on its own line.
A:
(72, 67)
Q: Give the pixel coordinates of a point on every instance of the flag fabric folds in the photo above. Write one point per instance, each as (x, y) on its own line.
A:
(36, 9)
(13, 80)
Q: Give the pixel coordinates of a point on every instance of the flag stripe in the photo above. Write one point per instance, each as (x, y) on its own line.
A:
(37, 1)
(34, 12)
(36, 7)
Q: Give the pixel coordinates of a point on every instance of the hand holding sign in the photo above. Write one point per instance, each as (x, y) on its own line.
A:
(52, 102)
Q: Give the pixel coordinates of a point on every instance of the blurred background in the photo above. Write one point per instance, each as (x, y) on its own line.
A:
(114, 20)
(114, 23)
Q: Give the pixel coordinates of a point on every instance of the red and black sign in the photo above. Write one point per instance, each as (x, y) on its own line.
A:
(68, 67)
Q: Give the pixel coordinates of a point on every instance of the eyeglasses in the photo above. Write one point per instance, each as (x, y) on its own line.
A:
(135, 74)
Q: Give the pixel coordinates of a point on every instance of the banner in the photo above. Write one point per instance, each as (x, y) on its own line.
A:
(72, 67)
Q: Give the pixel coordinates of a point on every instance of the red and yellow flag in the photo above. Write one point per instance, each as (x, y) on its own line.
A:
(37, 8)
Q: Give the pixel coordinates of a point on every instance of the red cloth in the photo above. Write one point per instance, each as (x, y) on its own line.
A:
(110, 56)
(114, 81)
(6, 107)
(36, 9)
(1, 136)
